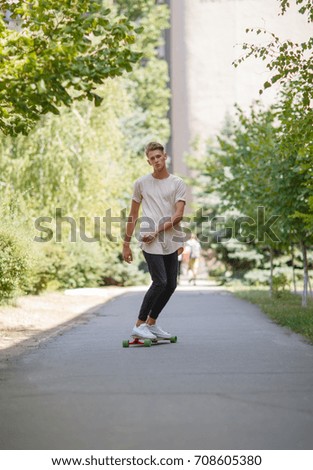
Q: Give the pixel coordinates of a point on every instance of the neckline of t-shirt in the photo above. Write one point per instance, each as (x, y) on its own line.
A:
(161, 179)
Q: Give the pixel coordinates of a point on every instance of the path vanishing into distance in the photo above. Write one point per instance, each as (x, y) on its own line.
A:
(234, 380)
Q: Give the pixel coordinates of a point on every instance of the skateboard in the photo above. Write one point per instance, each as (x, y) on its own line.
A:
(137, 340)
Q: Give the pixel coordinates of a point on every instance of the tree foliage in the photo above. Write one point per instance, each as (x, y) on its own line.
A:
(306, 7)
(60, 52)
(289, 180)
(84, 161)
(288, 61)
(254, 165)
(148, 82)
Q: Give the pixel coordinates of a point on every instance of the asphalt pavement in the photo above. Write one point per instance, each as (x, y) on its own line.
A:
(234, 380)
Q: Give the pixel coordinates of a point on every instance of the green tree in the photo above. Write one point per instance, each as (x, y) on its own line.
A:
(148, 82)
(84, 160)
(81, 163)
(296, 149)
(61, 52)
(290, 64)
(251, 167)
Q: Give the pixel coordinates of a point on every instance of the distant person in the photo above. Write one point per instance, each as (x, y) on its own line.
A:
(185, 260)
(194, 249)
(163, 197)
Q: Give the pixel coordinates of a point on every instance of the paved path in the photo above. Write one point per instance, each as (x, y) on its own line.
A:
(234, 380)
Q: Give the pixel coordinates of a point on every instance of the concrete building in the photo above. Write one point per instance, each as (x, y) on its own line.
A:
(201, 46)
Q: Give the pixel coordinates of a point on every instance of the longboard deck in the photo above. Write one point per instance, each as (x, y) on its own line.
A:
(139, 341)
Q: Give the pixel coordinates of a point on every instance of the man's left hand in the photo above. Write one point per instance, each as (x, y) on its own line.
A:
(148, 237)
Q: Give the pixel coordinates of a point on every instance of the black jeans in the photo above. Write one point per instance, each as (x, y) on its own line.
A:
(163, 271)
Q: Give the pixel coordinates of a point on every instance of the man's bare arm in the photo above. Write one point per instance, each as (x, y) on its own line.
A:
(168, 224)
(130, 227)
(175, 219)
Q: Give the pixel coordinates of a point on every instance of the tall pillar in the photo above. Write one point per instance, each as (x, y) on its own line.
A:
(179, 110)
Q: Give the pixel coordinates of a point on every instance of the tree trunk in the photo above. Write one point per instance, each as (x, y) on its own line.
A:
(305, 276)
(271, 273)
(293, 268)
(310, 286)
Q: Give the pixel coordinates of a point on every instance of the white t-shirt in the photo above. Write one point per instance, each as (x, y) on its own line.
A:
(195, 248)
(158, 198)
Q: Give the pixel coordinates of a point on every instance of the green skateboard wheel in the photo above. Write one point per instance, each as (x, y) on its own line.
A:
(147, 343)
(173, 339)
(126, 343)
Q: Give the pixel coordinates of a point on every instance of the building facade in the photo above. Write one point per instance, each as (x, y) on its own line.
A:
(203, 41)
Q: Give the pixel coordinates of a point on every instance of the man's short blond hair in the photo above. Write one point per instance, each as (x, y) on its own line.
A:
(154, 146)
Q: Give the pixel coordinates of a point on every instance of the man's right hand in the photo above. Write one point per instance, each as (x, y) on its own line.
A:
(127, 254)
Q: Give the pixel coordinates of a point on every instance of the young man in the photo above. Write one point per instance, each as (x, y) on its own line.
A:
(163, 198)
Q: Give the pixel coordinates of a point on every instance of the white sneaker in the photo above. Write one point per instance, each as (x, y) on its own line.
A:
(158, 332)
(142, 331)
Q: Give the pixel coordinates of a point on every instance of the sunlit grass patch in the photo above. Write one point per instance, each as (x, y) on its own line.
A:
(286, 310)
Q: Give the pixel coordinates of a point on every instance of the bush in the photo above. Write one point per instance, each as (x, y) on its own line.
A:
(14, 263)
(81, 264)
(257, 277)
(280, 282)
(116, 272)
(69, 265)
(30, 267)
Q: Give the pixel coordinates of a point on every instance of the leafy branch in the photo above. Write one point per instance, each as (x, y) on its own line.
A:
(288, 61)
(61, 52)
(305, 7)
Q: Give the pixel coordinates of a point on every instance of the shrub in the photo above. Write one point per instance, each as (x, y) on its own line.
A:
(257, 277)
(117, 272)
(71, 265)
(280, 282)
(81, 264)
(14, 263)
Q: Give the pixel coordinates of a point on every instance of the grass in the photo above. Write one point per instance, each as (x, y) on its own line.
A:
(284, 309)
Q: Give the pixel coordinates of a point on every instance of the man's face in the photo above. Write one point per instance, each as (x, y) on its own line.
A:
(157, 159)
